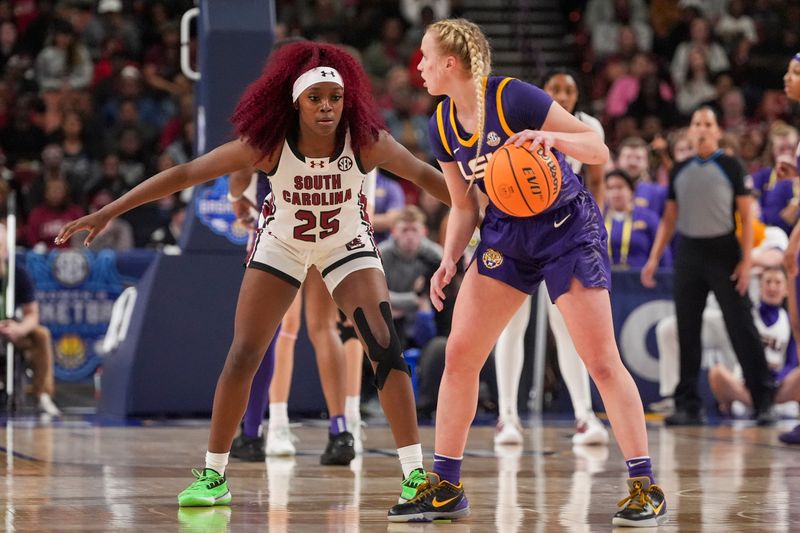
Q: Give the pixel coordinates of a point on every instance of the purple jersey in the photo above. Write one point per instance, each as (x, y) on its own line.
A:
(764, 179)
(775, 199)
(511, 106)
(631, 236)
(651, 196)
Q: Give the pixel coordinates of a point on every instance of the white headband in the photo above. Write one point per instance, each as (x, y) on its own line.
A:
(315, 75)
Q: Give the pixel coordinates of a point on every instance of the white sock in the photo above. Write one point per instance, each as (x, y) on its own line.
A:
(410, 458)
(217, 462)
(352, 409)
(509, 355)
(278, 415)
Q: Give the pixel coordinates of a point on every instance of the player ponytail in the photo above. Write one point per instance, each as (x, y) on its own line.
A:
(466, 41)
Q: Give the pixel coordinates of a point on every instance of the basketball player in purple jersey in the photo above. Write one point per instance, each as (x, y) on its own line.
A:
(565, 246)
(311, 123)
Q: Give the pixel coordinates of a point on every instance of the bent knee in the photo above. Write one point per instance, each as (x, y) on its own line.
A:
(460, 360)
(243, 360)
(602, 368)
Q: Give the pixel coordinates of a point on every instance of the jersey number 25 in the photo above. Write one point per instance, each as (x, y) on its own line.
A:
(328, 225)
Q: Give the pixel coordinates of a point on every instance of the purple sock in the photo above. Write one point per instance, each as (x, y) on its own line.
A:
(259, 393)
(338, 424)
(640, 467)
(449, 469)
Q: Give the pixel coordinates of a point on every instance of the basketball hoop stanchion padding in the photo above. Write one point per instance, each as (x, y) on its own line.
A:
(10, 299)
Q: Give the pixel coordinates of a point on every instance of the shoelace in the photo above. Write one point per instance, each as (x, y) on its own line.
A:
(636, 500)
(200, 475)
(425, 489)
(415, 480)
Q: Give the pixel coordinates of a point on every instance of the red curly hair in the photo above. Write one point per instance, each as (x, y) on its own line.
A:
(265, 113)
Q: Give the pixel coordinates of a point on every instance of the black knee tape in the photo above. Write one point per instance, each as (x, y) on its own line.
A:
(386, 359)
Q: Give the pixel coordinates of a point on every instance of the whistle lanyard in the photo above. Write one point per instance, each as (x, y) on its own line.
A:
(625, 245)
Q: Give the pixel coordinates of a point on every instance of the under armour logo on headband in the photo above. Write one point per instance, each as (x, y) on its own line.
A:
(315, 75)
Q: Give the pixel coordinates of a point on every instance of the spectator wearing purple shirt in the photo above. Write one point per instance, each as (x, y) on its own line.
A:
(778, 198)
(631, 229)
(634, 159)
(389, 201)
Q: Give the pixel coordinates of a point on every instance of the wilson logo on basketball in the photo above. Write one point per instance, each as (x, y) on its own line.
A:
(522, 183)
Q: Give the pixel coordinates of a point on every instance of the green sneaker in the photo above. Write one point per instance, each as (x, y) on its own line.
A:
(208, 489)
(410, 484)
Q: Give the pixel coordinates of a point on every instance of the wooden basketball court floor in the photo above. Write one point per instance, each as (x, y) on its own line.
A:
(76, 475)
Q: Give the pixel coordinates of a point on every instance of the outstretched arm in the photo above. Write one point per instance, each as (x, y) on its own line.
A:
(222, 160)
(389, 154)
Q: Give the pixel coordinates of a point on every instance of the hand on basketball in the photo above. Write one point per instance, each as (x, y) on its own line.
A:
(536, 138)
(648, 274)
(95, 223)
(441, 279)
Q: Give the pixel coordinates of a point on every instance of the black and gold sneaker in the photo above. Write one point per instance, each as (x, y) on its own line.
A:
(340, 449)
(645, 506)
(435, 499)
(248, 449)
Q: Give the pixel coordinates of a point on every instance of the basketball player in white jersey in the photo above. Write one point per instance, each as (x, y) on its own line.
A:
(562, 85)
(311, 123)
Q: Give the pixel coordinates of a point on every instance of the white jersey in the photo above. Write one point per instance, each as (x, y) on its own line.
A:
(316, 202)
(593, 123)
(775, 338)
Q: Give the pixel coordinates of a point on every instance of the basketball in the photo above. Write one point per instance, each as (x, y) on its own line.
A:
(522, 183)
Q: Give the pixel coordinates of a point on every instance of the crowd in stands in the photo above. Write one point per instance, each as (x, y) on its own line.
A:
(93, 101)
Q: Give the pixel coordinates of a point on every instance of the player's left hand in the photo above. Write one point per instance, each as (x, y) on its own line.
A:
(741, 275)
(536, 138)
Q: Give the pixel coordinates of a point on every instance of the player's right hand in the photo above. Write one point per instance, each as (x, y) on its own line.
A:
(441, 279)
(94, 222)
(648, 273)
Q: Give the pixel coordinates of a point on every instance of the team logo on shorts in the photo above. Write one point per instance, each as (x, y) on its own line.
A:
(355, 244)
(345, 163)
(492, 139)
(492, 258)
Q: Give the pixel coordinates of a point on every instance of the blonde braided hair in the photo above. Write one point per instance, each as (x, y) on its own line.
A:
(466, 41)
